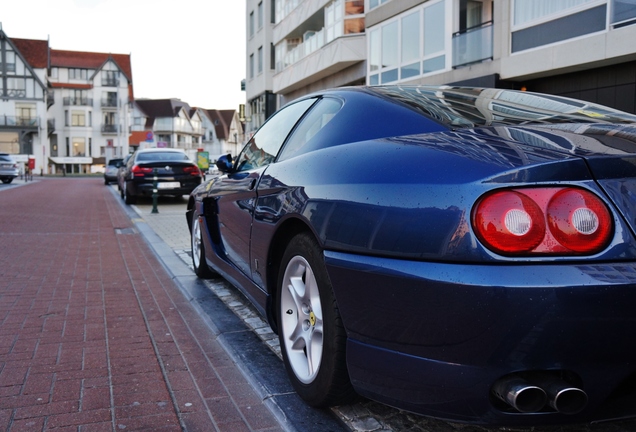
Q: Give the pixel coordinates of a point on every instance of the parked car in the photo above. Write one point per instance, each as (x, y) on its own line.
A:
(176, 174)
(462, 253)
(112, 168)
(120, 170)
(9, 168)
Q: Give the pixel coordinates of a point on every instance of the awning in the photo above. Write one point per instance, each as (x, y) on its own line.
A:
(71, 160)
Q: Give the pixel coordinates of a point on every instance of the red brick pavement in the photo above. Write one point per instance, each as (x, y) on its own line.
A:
(94, 335)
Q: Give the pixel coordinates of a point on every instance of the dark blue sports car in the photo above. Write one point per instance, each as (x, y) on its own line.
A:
(462, 253)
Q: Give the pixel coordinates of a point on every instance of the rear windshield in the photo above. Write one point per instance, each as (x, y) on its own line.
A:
(459, 107)
(162, 156)
(115, 162)
(5, 158)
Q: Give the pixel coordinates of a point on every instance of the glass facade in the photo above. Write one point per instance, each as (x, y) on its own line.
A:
(339, 18)
(408, 46)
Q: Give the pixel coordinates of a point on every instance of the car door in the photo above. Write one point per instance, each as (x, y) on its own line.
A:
(236, 191)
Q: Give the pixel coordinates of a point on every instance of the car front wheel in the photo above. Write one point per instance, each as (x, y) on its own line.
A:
(201, 268)
(310, 329)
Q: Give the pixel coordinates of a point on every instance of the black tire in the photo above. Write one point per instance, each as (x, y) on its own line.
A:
(201, 268)
(309, 318)
(106, 182)
(7, 180)
(128, 197)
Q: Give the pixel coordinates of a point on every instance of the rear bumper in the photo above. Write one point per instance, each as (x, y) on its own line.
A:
(433, 338)
(143, 188)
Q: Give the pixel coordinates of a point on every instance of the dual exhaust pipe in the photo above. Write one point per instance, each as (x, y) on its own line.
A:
(532, 395)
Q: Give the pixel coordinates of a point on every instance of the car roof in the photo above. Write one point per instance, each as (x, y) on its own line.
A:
(469, 107)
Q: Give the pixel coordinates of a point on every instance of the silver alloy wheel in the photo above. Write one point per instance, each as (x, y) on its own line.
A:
(196, 242)
(302, 319)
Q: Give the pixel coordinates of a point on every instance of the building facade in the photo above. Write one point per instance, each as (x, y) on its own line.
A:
(222, 133)
(68, 111)
(577, 48)
(172, 123)
(260, 61)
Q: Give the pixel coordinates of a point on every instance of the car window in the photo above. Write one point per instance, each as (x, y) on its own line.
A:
(6, 158)
(161, 156)
(319, 115)
(267, 141)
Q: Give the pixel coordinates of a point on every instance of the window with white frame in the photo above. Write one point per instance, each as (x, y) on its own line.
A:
(525, 11)
(260, 59)
(79, 146)
(79, 74)
(333, 20)
(408, 46)
(623, 12)
(251, 23)
(375, 3)
(543, 22)
(251, 65)
(78, 118)
(260, 15)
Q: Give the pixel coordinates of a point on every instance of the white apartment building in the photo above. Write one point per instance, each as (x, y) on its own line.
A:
(577, 48)
(261, 101)
(67, 110)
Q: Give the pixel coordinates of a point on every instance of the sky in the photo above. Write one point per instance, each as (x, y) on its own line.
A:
(193, 50)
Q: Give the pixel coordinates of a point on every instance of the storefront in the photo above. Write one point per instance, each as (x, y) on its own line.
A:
(70, 165)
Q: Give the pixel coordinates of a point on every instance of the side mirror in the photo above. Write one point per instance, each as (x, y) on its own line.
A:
(224, 163)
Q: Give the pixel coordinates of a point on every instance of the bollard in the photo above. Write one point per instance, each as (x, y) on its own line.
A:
(154, 191)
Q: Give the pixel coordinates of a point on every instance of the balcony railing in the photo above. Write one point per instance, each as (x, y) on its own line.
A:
(473, 45)
(302, 50)
(77, 101)
(50, 125)
(109, 129)
(110, 82)
(109, 103)
(17, 121)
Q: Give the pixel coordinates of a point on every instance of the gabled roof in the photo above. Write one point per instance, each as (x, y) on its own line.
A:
(90, 60)
(155, 108)
(35, 52)
(222, 120)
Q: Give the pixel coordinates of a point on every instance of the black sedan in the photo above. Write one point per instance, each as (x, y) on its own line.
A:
(462, 253)
(174, 173)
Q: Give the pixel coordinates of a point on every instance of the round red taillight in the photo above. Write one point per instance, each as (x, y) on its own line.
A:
(509, 222)
(579, 220)
(548, 221)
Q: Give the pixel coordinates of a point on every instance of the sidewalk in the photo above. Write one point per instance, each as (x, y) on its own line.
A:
(94, 332)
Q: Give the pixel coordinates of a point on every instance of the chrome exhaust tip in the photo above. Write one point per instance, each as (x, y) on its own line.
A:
(565, 398)
(519, 394)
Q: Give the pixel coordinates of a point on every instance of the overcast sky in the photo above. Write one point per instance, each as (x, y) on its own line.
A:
(193, 50)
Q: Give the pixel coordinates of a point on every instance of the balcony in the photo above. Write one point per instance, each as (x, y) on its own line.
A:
(110, 82)
(69, 101)
(302, 50)
(321, 61)
(16, 122)
(50, 125)
(109, 129)
(473, 45)
(109, 103)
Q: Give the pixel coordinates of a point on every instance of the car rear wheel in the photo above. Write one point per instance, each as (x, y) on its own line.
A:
(7, 180)
(198, 250)
(312, 337)
(128, 197)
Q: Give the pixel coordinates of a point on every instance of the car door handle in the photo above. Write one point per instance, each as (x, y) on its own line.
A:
(252, 185)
